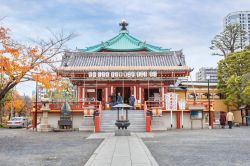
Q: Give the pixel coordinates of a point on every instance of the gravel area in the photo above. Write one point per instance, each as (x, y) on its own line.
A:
(22, 147)
(218, 147)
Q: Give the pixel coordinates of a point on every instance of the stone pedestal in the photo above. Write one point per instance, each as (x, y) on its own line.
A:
(157, 124)
(44, 126)
(87, 124)
(121, 132)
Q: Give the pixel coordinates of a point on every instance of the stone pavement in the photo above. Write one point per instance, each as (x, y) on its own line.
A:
(121, 151)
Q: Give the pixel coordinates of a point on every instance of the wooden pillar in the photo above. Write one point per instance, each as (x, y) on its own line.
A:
(137, 92)
(162, 92)
(109, 94)
(178, 119)
(212, 118)
(80, 94)
(97, 123)
(165, 89)
(83, 92)
(112, 89)
(140, 94)
(106, 95)
(33, 120)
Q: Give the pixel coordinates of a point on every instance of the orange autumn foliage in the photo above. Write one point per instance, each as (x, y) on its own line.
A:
(19, 63)
(18, 103)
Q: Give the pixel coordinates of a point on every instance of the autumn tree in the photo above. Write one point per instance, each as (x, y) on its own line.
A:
(234, 78)
(230, 40)
(20, 63)
(15, 102)
(61, 89)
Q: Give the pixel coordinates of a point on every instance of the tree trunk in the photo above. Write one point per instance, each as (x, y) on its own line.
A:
(1, 114)
(6, 89)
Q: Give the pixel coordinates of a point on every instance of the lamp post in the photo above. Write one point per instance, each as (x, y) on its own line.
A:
(35, 119)
(208, 97)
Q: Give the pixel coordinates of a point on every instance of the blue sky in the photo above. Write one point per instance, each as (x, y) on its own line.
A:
(181, 24)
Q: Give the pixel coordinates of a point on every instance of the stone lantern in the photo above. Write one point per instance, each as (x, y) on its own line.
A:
(44, 126)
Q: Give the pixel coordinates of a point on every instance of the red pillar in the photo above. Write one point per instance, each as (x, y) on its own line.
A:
(165, 89)
(212, 119)
(80, 95)
(97, 123)
(148, 125)
(142, 95)
(178, 119)
(137, 92)
(33, 120)
(109, 93)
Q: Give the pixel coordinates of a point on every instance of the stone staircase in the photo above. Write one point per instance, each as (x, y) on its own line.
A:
(136, 118)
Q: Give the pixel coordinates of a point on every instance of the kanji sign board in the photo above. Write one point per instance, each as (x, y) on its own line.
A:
(171, 101)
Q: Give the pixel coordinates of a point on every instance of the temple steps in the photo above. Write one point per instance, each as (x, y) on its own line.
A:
(136, 118)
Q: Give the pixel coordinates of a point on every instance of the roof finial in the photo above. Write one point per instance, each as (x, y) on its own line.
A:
(123, 24)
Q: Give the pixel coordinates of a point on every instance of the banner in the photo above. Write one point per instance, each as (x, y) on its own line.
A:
(182, 104)
(171, 101)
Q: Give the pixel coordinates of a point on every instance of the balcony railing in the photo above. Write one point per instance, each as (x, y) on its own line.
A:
(73, 105)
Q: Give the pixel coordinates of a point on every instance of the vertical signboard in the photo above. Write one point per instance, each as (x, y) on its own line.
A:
(182, 106)
(171, 104)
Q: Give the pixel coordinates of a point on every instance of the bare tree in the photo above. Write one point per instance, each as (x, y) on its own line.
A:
(230, 40)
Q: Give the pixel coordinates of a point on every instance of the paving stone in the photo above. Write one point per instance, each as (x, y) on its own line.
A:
(220, 147)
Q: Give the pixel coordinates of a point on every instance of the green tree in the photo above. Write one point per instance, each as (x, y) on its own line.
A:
(230, 40)
(234, 79)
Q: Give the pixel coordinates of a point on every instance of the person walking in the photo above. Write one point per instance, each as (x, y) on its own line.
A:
(230, 119)
(132, 101)
(222, 119)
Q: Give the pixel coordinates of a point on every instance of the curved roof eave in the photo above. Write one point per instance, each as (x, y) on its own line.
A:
(124, 42)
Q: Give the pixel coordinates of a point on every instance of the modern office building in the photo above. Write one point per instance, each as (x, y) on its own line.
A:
(204, 72)
(242, 18)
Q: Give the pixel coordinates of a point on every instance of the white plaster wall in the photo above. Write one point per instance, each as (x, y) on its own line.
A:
(77, 121)
(166, 118)
(53, 120)
(186, 121)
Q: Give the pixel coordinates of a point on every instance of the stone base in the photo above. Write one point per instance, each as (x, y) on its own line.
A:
(45, 128)
(87, 124)
(122, 132)
(157, 124)
(63, 130)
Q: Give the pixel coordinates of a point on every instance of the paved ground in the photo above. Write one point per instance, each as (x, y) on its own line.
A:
(22, 147)
(121, 151)
(220, 147)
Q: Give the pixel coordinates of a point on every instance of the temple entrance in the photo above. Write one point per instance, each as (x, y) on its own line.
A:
(151, 94)
(126, 95)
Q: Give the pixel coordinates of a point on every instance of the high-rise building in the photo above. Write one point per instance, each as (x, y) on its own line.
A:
(204, 72)
(242, 18)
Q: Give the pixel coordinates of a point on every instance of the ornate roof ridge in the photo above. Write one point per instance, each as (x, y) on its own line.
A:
(80, 53)
(124, 42)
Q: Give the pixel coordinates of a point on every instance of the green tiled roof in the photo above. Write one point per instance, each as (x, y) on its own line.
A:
(124, 42)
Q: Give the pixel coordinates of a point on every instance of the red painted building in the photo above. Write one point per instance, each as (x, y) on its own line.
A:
(123, 65)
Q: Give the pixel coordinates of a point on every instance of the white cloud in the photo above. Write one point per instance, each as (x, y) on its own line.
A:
(189, 25)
